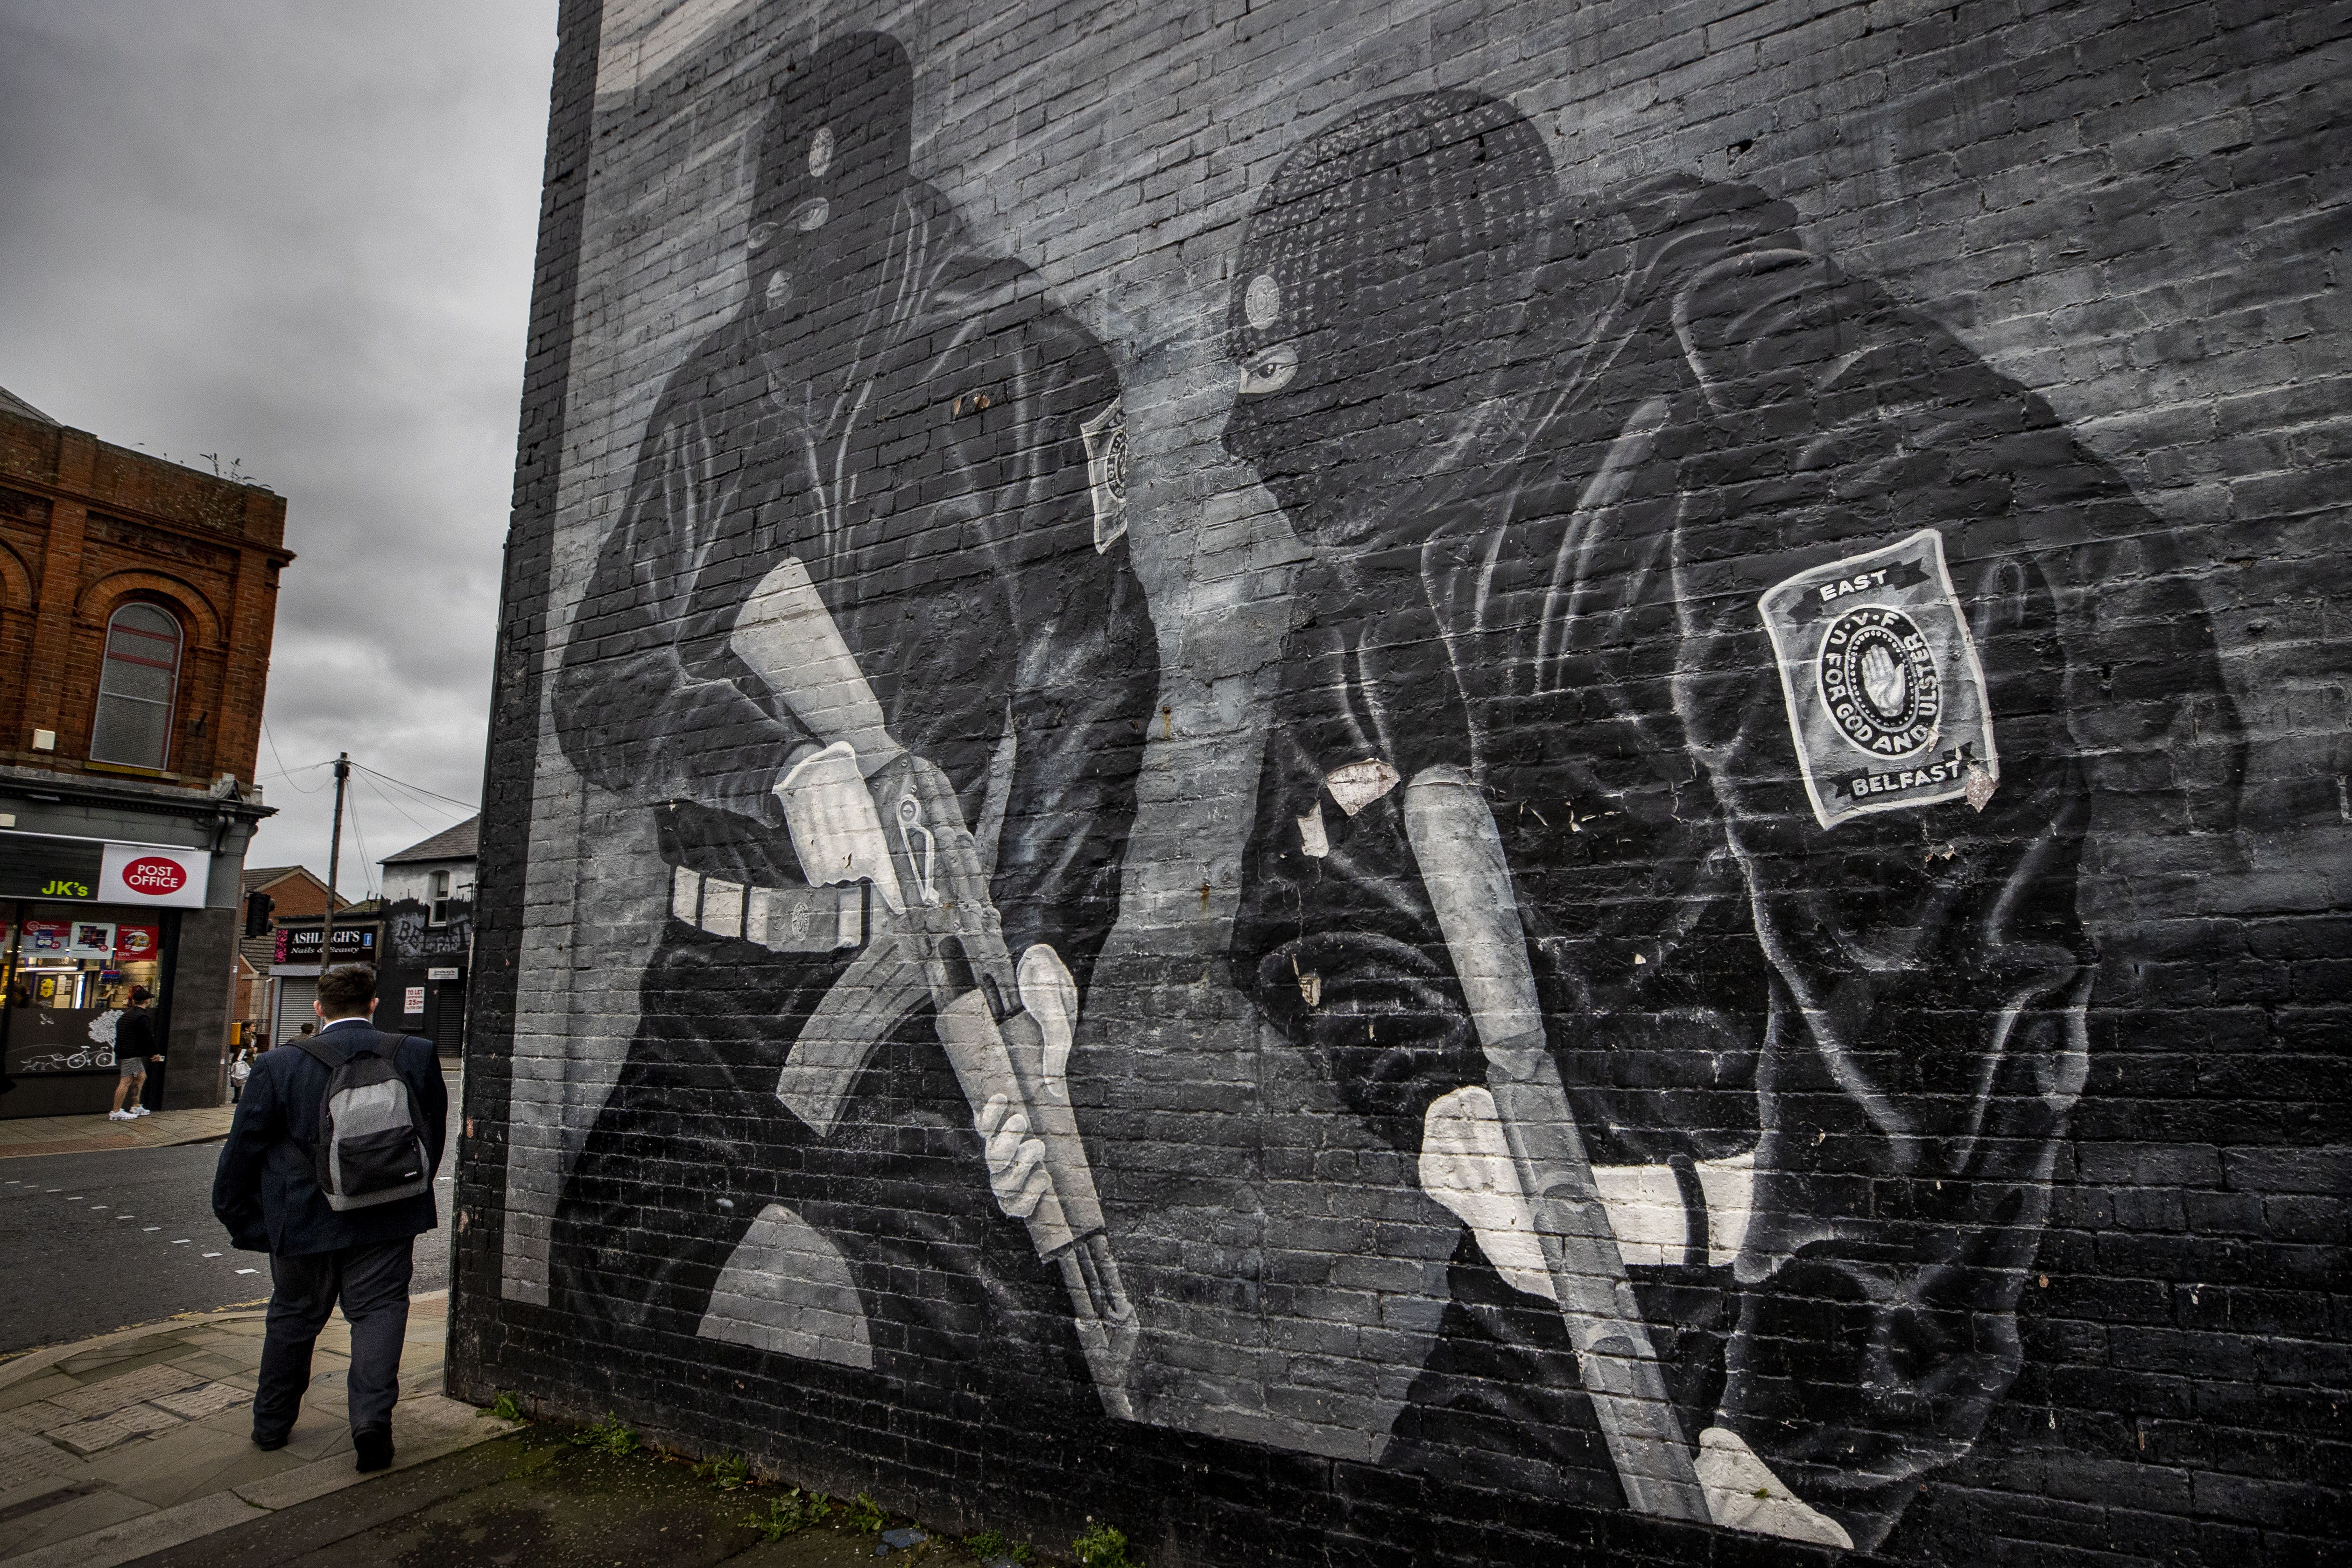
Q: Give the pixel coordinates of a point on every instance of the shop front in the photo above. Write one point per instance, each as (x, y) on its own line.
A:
(294, 970)
(83, 923)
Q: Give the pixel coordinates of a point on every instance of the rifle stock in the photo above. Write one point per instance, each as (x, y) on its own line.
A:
(1460, 853)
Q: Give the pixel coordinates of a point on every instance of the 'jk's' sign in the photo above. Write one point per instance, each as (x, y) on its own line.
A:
(36, 867)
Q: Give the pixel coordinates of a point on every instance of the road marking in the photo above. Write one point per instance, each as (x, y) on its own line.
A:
(212, 1254)
(151, 1228)
(183, 1241)
(248, 1271)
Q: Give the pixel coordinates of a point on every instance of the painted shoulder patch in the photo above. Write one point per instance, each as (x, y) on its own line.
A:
(1886, 698)
(1106, 439)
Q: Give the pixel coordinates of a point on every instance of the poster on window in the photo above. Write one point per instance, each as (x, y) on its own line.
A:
(48, 937)
(413, 1004)
(90, 939)
(137, 943)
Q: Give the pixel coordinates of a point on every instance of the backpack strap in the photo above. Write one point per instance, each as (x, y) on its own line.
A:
(315, 1048)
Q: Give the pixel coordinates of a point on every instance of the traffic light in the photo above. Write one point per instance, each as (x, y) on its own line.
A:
(258, 908)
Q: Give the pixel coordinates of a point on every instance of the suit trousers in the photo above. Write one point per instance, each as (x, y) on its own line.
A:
(371, 1282)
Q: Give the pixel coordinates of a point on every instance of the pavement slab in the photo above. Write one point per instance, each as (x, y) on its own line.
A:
(24, 1135)
(24, 1457)
(104, 1395)
(34, 1389)
(140, 1441)
(209, 1364)
(205, 1399)
(38, 1416)
(78, 1515)
(179, 1484)
(134, 1538)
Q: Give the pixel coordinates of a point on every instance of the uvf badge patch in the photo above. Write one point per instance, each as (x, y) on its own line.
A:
(1106, 438)
(1887, 699)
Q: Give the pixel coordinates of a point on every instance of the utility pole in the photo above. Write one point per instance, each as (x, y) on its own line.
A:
(334, 867)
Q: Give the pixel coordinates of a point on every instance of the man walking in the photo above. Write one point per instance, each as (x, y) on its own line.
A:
(134, 1047)
(267, 1195)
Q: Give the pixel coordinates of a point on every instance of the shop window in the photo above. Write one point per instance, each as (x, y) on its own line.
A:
(440, 898)
(136, 687)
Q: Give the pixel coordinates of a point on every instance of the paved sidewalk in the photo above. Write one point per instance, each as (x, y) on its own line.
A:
(134, 1442)
(75, 1134)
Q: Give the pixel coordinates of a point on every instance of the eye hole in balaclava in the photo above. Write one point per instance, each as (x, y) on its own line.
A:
(1270, 369)
(831, 163)
(1387, 263)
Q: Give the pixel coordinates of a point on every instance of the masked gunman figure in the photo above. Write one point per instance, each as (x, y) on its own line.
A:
(868, 644)
(1672, 824)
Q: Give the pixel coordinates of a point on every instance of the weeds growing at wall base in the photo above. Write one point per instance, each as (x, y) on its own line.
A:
(607, 1437)
(992, 1546)
(1102, 1547)
(728, 1472)
(790, 1514)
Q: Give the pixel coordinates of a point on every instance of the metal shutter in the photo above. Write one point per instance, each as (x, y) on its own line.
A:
(449, 1019)
(295, 995)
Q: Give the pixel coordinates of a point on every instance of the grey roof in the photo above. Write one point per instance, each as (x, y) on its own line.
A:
(11, 403)
(458, 843)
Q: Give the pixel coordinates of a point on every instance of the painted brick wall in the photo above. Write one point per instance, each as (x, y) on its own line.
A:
(1435, 783)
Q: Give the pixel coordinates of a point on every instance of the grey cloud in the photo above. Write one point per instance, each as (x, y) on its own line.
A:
(299, 234)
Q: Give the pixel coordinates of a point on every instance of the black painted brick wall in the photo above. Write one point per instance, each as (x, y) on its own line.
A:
(2135, 210)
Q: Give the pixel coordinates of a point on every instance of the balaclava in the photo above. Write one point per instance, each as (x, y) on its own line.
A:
(1394, 255)
(833, 162)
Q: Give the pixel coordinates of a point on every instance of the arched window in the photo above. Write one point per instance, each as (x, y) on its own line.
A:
(135, 689)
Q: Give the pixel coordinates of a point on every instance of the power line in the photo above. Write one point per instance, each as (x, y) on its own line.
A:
(419, 790)
(289, 774)
(394, 802)
(283, 771)
(351, 804)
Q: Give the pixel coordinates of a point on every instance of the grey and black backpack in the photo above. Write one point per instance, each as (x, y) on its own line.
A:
(371, 1144)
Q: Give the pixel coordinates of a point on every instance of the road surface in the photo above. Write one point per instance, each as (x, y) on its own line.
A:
(98, 1241)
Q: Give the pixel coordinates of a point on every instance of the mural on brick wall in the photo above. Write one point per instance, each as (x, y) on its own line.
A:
(1672, 836)
(1671, 817)
(866, 644)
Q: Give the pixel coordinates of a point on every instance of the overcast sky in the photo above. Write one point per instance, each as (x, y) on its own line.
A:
(298, 234)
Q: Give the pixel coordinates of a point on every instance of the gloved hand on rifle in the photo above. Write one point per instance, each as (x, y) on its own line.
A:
(902, 829)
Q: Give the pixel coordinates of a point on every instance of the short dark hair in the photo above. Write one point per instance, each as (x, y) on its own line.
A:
(347, 989)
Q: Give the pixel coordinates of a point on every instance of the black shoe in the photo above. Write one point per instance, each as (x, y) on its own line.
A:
(268, 1445)
(373, 1448)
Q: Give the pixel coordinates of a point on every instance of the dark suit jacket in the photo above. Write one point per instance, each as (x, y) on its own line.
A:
(264, 1190)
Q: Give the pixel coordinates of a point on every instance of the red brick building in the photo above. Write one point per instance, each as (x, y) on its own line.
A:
(137, 602)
